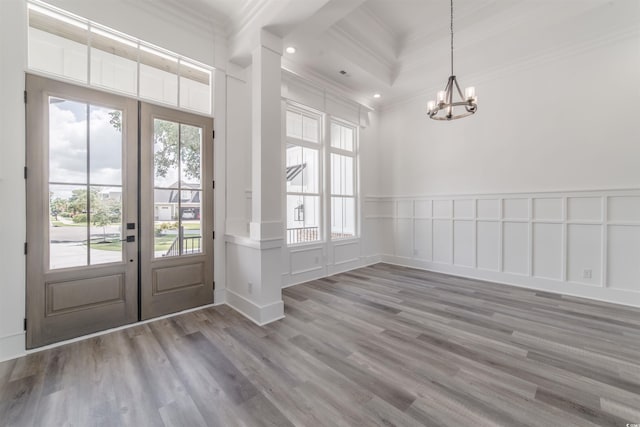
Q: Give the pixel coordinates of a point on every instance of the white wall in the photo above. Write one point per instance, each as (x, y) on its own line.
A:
(238, 203)
(12, 186)
(568, 124)
(544, 133)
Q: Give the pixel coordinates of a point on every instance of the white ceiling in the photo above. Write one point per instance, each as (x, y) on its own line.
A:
(401, 47)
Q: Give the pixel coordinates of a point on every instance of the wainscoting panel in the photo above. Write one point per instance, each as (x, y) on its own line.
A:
(624, 256)
(404, 237)
(584, 209)
(547, 209)
(442, 241)
(463, 243)
(423, 240)
(583, 243)
(584, 253)
(547, 251)
(515, 243)
(488, 245)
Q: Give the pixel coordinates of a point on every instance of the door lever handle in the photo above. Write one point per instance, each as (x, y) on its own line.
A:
(129, 239)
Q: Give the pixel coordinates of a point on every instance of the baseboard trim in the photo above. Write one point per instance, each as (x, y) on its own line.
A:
(21, 351)
(12, 346)
(219, 296)
(366, 262)
(597, 293)
(259, 314)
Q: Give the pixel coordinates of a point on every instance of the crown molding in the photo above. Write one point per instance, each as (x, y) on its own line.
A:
(244, 19)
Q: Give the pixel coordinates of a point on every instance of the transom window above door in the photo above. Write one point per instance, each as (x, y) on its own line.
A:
(68, 46)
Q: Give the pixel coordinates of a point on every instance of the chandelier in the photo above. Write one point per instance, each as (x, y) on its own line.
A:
(452, 109)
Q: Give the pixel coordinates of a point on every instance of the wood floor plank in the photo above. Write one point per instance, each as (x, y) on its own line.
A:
(379, 346)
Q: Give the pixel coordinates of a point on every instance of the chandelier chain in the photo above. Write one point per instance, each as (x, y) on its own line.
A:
(452, 37)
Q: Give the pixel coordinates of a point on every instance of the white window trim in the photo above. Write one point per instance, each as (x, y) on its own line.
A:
(319, 146)
(324, 165)
(356, 183)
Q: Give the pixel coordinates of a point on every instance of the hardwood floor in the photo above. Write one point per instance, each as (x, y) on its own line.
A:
(381, 345)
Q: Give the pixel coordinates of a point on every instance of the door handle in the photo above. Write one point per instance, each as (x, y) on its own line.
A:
(131, 226)
(129, 239)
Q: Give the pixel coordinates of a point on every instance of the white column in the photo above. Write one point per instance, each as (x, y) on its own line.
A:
(254, 265)
(266, 162)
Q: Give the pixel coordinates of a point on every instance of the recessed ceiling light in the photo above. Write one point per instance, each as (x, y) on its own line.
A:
(291, 49)
(376, 95)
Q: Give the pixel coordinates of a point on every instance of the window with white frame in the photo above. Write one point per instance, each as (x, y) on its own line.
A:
(303, 175)
(308, 149)
(343, 189)
(71, 47)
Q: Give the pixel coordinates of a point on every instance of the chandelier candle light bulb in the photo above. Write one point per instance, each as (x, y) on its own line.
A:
(470, 93)
(445, 99)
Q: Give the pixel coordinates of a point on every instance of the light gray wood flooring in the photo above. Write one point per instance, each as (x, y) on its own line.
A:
(378, 346)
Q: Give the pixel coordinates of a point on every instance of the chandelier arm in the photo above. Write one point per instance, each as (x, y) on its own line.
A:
(448, 86)
(458, 87)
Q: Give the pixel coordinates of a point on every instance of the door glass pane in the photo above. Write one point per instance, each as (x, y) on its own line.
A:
(87, 157)
(190, 222)
(190, 158)
(106, 225)
(165, 150)
(105, 136)
(166, 222)
(67, 141)
(68, 206)
(177, 203)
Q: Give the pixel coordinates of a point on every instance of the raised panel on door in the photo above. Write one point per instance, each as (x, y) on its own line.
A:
(81, 193)
(176, 210)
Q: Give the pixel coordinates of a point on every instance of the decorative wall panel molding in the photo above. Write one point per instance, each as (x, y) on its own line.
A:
(583, 243)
